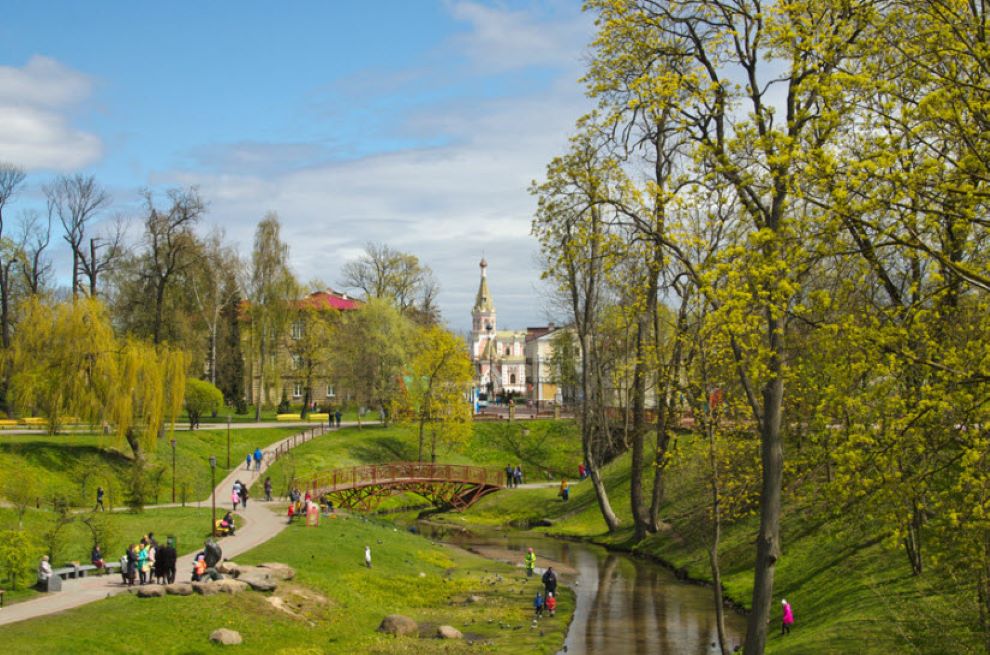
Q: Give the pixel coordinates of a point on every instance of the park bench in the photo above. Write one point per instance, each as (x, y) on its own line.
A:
(54, 582)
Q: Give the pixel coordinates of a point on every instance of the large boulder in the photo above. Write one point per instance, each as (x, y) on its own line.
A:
(226, 637)
(228, 586)
(179, 589)
(449, 632)
(278, 570)
(259, 580)
(205, 588)
(398, 625)
(151, 591)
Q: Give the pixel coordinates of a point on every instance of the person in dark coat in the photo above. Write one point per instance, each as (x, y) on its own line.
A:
(165, 565)
(550, 581)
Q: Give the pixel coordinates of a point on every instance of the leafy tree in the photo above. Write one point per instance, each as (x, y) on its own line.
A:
(19, 555)
(310, 346)
(372, 351)
(273, 289)
(230, 356)
(201, 398)
(22, 489)
(438, 382)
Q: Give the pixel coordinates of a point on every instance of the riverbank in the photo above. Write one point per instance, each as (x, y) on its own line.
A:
(851, 588)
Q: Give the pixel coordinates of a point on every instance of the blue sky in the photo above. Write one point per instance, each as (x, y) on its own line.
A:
(419, 124)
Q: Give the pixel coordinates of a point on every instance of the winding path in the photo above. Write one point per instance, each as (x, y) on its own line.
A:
(259, 525)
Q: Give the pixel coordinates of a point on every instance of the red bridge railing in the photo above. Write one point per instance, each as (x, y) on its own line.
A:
(370, 475)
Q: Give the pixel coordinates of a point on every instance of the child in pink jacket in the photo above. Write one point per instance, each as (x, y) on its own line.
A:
(787, 620)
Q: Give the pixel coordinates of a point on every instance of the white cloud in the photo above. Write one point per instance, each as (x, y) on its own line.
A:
(502, 39)
(448, 203)
(34, 130)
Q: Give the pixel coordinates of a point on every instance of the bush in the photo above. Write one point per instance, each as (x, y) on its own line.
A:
(18, 555)
(201, 398)
(241, 406)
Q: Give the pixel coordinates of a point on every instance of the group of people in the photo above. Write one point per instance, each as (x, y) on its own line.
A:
(513, 476)
(239, 494)
(545, 601)
(255, 457)
(145, 562)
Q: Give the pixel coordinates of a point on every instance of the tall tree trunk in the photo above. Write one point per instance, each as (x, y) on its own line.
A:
(589, 436)
(639, 512)
(422, 430)
(666, 405)
(772, 456)
(716, 535)
(159, 309)
(262, 352)
(134, 442)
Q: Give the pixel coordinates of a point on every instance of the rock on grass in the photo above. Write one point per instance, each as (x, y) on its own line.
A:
(398, 625)
(226, 637)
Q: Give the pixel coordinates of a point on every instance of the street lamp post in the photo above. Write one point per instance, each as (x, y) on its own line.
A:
(491, 365)
(228, 442)
(172, 442)
(213, 481)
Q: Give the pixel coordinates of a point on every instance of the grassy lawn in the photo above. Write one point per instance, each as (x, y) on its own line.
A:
(118, 529)
(73, 465)
(340, 603)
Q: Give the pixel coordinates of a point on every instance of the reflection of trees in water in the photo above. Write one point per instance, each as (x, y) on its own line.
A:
(599, 618)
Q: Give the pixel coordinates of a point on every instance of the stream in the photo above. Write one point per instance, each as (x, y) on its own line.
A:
(623, 605)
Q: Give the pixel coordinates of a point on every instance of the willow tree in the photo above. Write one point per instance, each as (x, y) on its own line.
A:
(69, 363)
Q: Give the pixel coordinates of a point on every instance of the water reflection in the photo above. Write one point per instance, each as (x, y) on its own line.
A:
(623, 604)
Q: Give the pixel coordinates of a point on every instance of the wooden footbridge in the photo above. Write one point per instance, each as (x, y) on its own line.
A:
(448, 486)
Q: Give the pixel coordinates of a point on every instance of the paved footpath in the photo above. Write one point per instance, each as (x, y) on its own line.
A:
(260, 524)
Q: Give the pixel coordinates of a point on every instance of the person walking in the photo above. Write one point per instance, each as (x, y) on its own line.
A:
(367, 556)
(518, 475)
(530, 562)
(565, 490)
(551, 604)
(142, 562)
(787, 619)
(244, 496)
(247, 461)
(99, 500)
(550, 581)
(235, 498)
(538, 605)
(338, 415)
(268, 489)
(510, 475)
(581, 471)
(257, 459)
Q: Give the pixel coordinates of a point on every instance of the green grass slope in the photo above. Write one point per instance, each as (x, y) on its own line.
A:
(336, 602)
(851, 591)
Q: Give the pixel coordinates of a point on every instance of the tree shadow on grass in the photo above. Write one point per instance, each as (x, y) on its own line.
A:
(60, 457)
(381, 450)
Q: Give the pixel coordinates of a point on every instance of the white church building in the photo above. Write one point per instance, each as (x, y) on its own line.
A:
(498, 356)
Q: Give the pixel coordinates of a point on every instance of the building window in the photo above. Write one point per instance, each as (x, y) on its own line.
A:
(330, 393)
(297, 390)
(508, 351)
(512, 379)
(297, 329)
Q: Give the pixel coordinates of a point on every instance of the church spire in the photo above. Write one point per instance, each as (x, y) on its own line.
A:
(483, 301)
